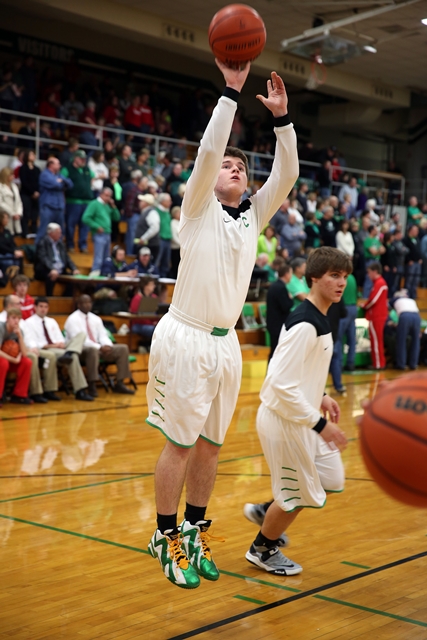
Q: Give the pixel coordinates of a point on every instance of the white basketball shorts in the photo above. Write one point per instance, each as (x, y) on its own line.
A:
(302, 465)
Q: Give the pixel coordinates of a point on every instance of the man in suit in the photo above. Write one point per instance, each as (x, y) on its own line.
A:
(279, 303)
(51, 258)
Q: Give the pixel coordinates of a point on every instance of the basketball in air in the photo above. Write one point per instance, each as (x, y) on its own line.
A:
(237, 34)
(11, 347)
(393, 439)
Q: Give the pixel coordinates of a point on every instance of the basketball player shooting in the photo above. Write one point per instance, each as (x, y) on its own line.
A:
(195, 359)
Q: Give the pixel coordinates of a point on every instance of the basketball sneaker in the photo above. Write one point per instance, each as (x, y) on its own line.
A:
(196, 544)
(256, 513)
(175, 564)
(272, 560)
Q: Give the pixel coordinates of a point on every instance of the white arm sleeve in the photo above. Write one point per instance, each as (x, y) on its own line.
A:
(201, 183)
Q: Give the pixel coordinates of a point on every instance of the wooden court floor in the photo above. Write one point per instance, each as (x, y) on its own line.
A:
(77, 512)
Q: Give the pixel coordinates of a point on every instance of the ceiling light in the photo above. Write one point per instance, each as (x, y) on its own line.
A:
(424, 21)
(370, 48)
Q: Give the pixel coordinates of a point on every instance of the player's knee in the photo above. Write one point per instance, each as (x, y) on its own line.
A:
(334, 482)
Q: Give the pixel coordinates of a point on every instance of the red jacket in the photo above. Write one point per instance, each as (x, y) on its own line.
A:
(376, 307)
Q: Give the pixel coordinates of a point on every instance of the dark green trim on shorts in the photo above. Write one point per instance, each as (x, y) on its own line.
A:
(217, 331)
(183, 446)
(304, 506)
(210, 441)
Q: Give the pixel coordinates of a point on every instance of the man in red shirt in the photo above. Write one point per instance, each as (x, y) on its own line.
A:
(376, 311)
(147, 119)
(133, 115)
(26, 302)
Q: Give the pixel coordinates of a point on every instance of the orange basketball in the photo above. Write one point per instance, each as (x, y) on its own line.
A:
(393, 439)
(10, 347)
(237, 34)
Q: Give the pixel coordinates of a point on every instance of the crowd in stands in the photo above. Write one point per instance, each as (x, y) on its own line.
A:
(389, 262)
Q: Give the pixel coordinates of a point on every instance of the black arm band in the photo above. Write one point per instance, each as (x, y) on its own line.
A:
(282, 121)
(233, 94)
(320, 425)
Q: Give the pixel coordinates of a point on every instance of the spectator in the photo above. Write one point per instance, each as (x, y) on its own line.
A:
(20, 285)
(142, 161)
(175, 243)
(413, 261)
(279, 304)
(302, 197)
(401, 253)
(77, 199)
(72, 103)
(352, 190)
(49, 106)
(10, 256)
(147, 119)
(126, 165)
(133, 116)
(267, 243)
(143, 327)
(43, 333)
(297, 286)
(337, 312)
(87, 134)
(312, 230)
(144, 264)
(51, 258)
(376, 311)
(50, 378)
(112, 111)
(29, 175)
(52, 203)
(10, 201)
(324, 179)
(389, 262)
(347, 328)
(19, 364)
(413, 211)
(98, 216)
(115, 265)
(97, 345)
(292, 236)
(96, 164)
(328, 228)
(29, 129)
(164, 256)
(179, 150)
(344, 239)
(131, 190)
(147, 232)
(373, 249)
(113, 183)
(66, 156)
(409, 326)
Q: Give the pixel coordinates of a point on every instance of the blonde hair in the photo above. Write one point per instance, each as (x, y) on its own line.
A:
(5, 173)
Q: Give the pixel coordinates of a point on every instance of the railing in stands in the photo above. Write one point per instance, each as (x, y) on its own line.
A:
(392, 185)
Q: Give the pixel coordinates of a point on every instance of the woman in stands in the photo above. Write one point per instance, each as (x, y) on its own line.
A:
(10, 201)
(10, 255)
(29, 175)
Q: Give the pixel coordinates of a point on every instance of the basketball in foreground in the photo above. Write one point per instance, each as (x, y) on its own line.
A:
(237, 34)
(393, 439)
(10, 347)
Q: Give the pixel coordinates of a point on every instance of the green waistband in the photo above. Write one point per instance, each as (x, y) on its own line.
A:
(217, 331)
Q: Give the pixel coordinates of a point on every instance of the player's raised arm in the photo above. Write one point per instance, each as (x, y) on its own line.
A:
(203, 179)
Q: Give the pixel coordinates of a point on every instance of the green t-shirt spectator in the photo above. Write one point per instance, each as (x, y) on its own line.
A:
(296, 286)
(414, 215)
(99, 215)
(350, 292)
(371, 242)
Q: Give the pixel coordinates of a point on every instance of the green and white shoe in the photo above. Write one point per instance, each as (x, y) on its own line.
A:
(195, 539)
(175, 564)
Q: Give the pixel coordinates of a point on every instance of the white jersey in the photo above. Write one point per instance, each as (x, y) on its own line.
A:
(218, 252)
(298, 370)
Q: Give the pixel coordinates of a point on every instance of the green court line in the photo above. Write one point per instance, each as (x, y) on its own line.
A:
(257, 455)
(375, 611)
(267, 584)
(250, 600)
(74, 533)
(352, 564)
(82, 486)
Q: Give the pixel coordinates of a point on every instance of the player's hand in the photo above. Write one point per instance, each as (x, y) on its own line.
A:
(331, 406)
(333, 436)
(234, 78)
(277, 100)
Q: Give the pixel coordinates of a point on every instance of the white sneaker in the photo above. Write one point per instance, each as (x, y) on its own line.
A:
(273, 561)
